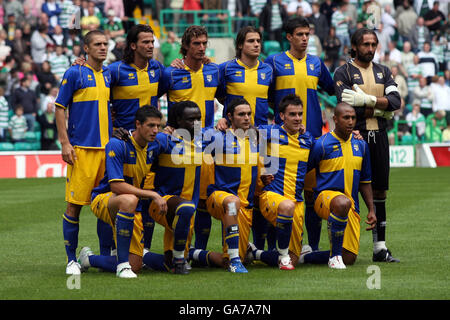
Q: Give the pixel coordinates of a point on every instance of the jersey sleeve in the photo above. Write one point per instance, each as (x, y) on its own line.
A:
(325, 80)
(70, 82)
(316, 154)
(166, 81)
(391, 91)
(115, 158)
(271, 93)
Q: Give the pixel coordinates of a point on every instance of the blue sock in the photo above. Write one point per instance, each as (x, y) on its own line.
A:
(124, 232)
(105, 237)
(155, 261)
(284, 230)
(336, 227)
(260, 227)
(181, 225)
(107, 263)
(232, 240)
(317, 257)
(71, 228)
(271, 238)
(270, 258)
(313, 224)
(148, 223)
(202, 228)
(200, 256)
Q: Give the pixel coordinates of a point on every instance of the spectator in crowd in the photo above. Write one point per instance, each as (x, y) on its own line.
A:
(10, 26)
(418, 35)
(402, 128)
(68, 9)
(435, 124)
(434, 18)
(331, 46)
(314, 45)
(39, 41)
(428, 61)
(340, 21)
(256, 7)
(27, 17)
(114, 25)
(271, 20)
(170, 49)
(18, 125)
(118, 8)
(327, 8)
(72, 40)
(425, 95)
(407, 57)
(438, 48)
(441, 95)
(414, 72)
(57, 36)
(117, 51)
(76, 53)
(26, 36)
(26, 98)
(446, 133)
(49, 98)
(295, 4)
(4, 115)
(90, 21)
(52, 10)
(406, 20)
(19, 45)
(46, 78)
(13, 6)
(390, 25)
(320, 22)
(416, 116)
(383, 38)
(5, 48)
(401, 82)
(48, 127)
(394, 54)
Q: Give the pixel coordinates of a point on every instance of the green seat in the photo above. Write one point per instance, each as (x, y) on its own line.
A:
(23, 146)
(6, 146)
(407, 139)
(30, 136)
(271, 47)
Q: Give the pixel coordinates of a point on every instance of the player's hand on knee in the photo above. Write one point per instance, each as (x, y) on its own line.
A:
(162, 204)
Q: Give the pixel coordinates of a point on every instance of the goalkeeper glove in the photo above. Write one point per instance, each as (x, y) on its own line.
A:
(383, 114)
(358, 98)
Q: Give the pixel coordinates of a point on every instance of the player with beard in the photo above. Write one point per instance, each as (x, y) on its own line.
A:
(370, 88)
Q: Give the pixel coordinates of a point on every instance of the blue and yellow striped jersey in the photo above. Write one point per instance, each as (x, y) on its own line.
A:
(286, 158)
(129, 162)
(85, 92)
(197, 86)
(177, 168)
(340, 165)
(252, 84)
(131, 88)
(235, 165)
(301, 77)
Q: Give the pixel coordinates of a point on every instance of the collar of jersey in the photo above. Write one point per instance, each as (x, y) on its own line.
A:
(242, 64)
(88, 66)
(139, 69)
(340, 139)
(296, 135)
(294, 58)
(186, 67)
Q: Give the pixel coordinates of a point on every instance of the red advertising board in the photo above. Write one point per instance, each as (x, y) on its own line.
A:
(441, 155)
(34, 164)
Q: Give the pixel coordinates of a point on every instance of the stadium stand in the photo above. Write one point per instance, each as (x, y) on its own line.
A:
(30, 32)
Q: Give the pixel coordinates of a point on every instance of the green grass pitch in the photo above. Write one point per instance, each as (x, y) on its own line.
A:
(32, 254)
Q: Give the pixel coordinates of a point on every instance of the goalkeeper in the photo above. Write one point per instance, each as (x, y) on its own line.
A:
(370, 88)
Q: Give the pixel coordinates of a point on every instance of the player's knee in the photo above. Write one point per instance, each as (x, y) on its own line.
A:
(185, 210)
(135, 262)
(73, 210)
(287, 208)
(128, 202)
(340, 205)
(232, 205)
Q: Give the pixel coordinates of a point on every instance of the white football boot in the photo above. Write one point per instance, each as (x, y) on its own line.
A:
(336, 263)
(124, 271)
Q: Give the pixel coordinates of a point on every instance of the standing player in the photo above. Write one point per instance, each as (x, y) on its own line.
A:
(370, 88)
(281, 201)
(249, 78)
(342, 166)
(198, 83)
(84, 92)
(116, 200)
(296, 72)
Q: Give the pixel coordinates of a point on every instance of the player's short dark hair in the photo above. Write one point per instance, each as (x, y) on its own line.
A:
(290, 99)
(132, 37)
(295, 22)
(145, 112)
(357, 38)
(176, 112)
(240, 38)
(90, 35)
(188, 35)
(234, 103)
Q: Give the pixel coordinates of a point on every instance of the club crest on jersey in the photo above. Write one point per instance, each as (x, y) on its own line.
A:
(311, 66)
(302, 141)
(380, 75)
(263, 76)
(208, 77)
(356, 147)
(152, 73)
(150, 154)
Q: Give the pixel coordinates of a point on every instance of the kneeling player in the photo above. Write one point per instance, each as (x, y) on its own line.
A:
(342, 166)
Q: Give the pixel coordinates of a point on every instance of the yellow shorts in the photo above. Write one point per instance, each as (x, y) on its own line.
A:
(268, 204)
(100, 208)
(353, 229)
(214, 204)
(168, 229)
(310, 180)
(84, 175)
